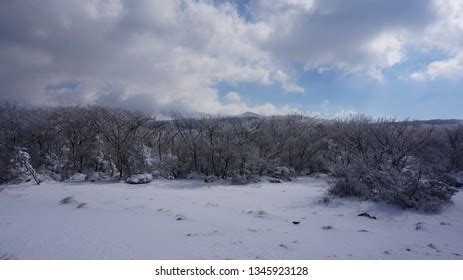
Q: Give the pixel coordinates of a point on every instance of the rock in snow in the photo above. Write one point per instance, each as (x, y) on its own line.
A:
(366, 215)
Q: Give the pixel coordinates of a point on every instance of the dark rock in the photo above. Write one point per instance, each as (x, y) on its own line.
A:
(419, 226)
(365, 214)
(81, 205)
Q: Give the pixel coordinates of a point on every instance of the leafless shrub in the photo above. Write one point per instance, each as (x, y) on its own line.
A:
(383, 160)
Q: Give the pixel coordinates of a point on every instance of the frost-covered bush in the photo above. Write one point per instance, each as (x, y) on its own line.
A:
(21, 169)
(282, 172)
(405, 189)
(244, 180)
(389, 161)
(429, 195)
(171, 166)
(194, 176)
(140, 179)
(211, 179)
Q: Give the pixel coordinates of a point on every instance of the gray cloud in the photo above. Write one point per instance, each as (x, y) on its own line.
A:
(161, 55)
(342, 34)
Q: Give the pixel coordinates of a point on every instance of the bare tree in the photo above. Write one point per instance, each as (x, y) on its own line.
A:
(120, 130)
(190, 130)
(454, 148)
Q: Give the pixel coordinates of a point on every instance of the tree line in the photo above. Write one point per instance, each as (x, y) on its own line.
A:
(405, 162)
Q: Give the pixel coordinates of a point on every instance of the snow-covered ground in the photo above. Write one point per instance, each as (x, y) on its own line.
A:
(194, 220)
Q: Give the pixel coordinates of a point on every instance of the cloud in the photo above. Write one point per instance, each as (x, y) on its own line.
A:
(363, 37)
(451, 69)
(235, 105)
(233, 97)
(162, 55)
(153, 55)
(446, 35)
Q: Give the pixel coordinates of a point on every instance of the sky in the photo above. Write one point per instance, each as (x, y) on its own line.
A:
(328, 58)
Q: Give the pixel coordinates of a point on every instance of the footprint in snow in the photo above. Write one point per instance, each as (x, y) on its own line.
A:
(434, 247)
(203, 234)
(66, 200)
(134, 207)
(258, 214)
(70, 200)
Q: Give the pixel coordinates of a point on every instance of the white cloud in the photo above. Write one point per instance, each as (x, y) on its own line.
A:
(235, 105)
(446, 35)
(162, 55)
(358, 37)
(146, 54)
(451, 69)
(233, 97)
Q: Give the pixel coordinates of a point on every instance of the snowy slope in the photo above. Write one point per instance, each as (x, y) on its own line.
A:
(195, 220)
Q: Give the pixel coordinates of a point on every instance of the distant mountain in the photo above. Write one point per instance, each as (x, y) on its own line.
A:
(249, 115)
(439, 121)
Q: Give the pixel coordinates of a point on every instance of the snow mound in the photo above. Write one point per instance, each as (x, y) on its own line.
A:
(140, 179)
(78, 177)
(282, 172)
